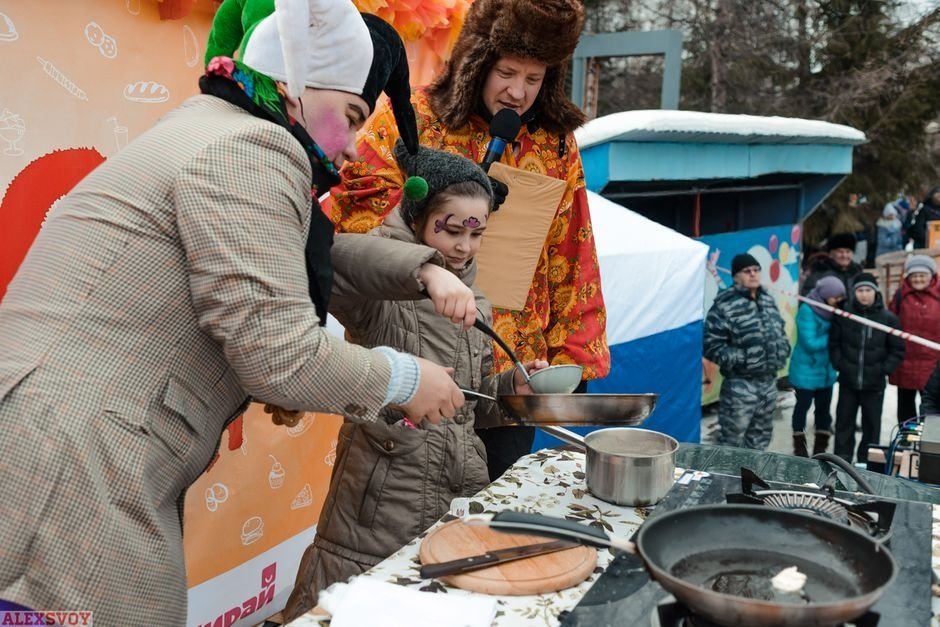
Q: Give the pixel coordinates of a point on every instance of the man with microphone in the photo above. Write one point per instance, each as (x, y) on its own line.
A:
(510, 54)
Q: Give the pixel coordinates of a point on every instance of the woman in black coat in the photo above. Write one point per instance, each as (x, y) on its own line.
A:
(928, 211)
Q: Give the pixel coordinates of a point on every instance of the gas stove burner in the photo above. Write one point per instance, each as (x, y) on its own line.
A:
(868, 514)
(806, 502)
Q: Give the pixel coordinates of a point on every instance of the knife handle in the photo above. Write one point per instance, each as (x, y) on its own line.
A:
(455, 567)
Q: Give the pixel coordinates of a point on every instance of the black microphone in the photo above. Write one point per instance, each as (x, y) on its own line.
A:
(504, 127)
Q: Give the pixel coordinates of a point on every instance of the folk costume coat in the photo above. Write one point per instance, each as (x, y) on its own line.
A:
(564, 320)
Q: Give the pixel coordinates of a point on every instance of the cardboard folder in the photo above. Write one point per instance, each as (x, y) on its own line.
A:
(515, 235)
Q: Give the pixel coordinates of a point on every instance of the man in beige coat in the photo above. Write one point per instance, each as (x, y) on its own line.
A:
(176, 282)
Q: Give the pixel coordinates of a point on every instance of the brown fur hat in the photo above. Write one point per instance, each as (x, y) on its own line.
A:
(544, 30)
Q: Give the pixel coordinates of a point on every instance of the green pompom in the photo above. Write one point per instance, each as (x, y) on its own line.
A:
(416, 188)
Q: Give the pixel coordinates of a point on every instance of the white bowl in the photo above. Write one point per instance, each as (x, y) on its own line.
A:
(560, 379)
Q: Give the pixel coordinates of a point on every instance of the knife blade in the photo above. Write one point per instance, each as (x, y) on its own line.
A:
(492, 558)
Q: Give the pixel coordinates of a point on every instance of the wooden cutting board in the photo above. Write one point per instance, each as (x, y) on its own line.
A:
(531, 575)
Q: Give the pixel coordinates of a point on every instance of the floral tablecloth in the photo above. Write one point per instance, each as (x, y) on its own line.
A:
(549, 482)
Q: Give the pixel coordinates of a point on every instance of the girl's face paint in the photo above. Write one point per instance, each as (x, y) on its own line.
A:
(441, 223)
(456, 230)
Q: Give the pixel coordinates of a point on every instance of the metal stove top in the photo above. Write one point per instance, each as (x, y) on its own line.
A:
(625, 595)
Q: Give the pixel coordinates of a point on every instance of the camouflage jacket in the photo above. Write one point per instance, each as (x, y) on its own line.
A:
(746, 336)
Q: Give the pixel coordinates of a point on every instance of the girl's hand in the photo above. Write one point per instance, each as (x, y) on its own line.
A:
(451, 297)
(519, 383)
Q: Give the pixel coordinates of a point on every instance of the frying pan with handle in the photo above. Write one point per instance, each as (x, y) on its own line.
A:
(719, 560)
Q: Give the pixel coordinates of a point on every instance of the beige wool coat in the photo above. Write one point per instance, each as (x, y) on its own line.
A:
(390, 482)
(165, 290)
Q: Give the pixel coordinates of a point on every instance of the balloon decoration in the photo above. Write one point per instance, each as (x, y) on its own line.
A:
(795, 234)
(775, 270)
(772, 245)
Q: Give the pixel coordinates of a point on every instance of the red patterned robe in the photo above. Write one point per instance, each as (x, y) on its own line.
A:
(564, 318)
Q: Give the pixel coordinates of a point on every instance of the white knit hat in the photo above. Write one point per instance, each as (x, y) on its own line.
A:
(312, 43)
(920, 263)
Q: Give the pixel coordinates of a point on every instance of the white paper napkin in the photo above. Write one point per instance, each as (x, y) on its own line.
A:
(369, 602)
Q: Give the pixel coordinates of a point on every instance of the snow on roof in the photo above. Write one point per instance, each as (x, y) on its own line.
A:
(696, 126)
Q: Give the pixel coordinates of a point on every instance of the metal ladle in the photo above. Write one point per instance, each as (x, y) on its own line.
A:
(482, 326)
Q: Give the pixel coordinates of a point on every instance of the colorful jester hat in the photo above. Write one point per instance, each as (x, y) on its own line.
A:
(324, 44)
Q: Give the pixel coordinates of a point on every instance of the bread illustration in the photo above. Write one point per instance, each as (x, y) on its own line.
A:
(146, 91)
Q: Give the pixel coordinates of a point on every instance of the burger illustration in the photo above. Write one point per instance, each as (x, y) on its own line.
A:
(252, 530)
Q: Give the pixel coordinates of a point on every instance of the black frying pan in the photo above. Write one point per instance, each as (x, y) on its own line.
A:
(719, 559)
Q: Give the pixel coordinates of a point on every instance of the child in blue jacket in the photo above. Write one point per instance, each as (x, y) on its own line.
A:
(811, 371)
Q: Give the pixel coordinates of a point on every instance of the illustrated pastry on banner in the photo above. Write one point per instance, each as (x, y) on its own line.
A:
(105, 44)
(148, 92)
(276, 475)
(50, 69)
(216, 494)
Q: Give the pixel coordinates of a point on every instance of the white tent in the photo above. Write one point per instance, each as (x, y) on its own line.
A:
(653, 281)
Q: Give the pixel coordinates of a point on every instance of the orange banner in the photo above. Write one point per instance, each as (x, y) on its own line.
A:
(267, 485)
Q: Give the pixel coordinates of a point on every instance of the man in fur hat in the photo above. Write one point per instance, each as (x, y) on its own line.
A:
(837, 261)
(168, 289)
(510, 54)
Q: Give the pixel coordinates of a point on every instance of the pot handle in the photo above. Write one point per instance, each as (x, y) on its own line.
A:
(552, 527)
(566, 436)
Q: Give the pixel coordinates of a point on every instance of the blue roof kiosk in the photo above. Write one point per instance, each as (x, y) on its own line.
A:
(737, 183)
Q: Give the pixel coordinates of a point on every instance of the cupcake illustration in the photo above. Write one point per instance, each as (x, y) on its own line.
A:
(276, 475)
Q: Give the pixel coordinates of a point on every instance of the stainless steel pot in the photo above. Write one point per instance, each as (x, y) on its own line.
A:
(625, 466)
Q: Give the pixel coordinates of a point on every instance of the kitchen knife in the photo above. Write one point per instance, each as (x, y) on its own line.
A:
(539, 524)
(491, 558)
